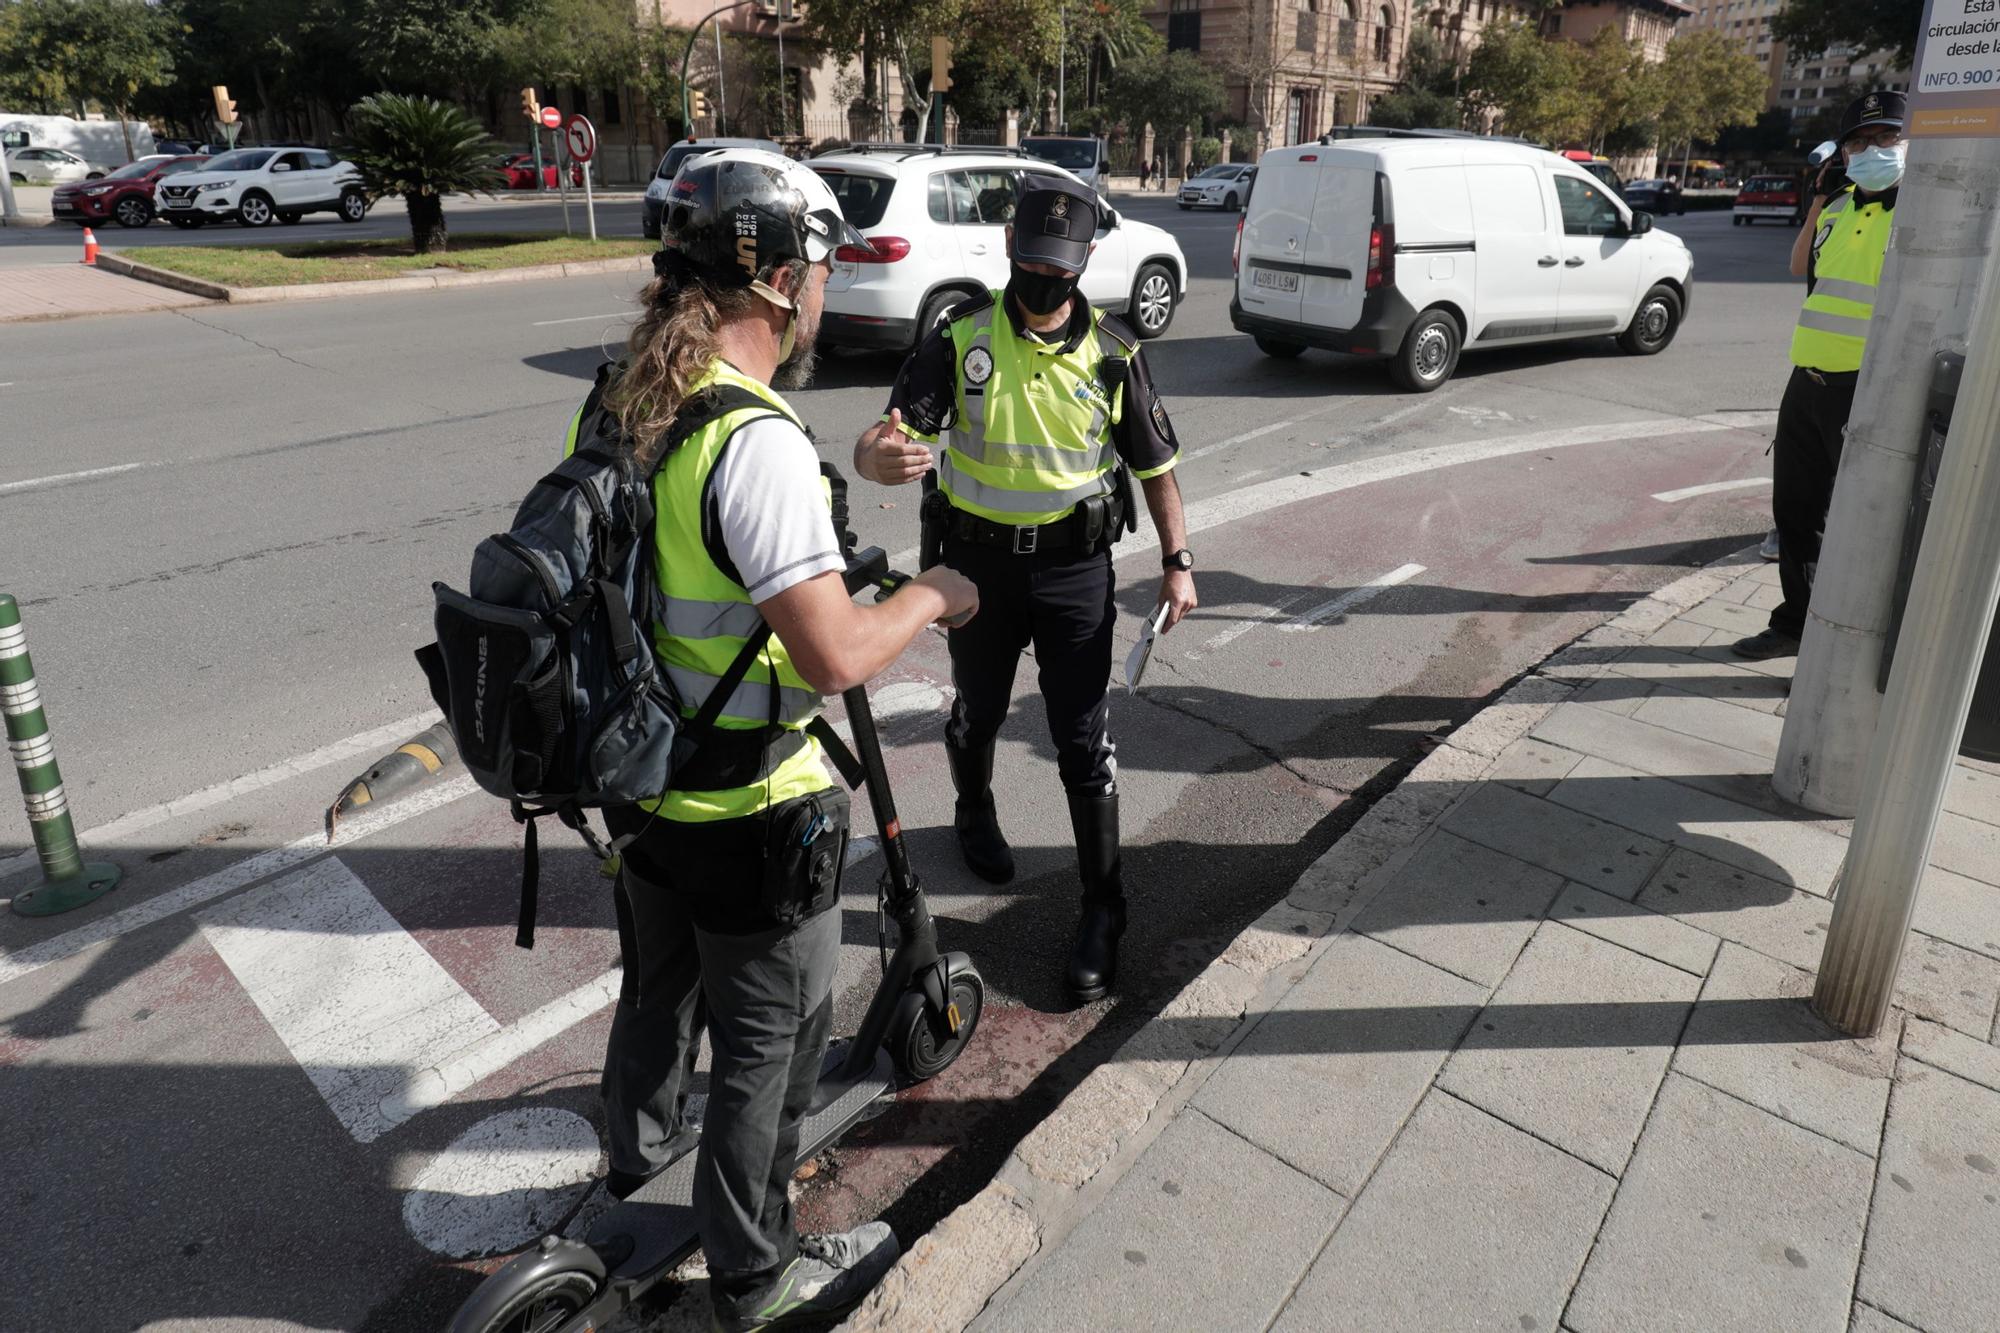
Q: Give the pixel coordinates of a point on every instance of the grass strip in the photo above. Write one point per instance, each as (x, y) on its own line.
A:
(285, 265)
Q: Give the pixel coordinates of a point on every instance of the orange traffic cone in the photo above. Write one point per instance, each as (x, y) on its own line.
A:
(89, 246)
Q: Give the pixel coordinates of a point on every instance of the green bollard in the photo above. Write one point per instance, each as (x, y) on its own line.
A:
(68, 881)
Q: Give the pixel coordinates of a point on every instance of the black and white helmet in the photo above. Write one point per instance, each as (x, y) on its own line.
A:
(734, 213)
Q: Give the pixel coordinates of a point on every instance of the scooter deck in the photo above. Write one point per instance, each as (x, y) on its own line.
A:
(654, 1229)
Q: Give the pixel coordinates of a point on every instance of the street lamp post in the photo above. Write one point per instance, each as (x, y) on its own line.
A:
(686, 118)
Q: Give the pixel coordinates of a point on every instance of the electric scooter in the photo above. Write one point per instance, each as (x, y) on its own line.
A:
(924, 1011)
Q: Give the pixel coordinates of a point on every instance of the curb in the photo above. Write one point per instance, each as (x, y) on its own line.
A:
(27, 223)
(1064, 1164)
(315, 291)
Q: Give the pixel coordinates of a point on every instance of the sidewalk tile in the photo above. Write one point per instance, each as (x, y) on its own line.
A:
(1679, 634)
(1175, 1235)
(1614, 694)
(1952, 1051)
(1967, 847)
(1533, 766)
(1738, 590)
(1868, 1319)
(1575, 846)
(1762, 914)
(1702, 676)
(1720, 720)
(1325, 1079)
(1672, 942)
(1790, 850)
(1769, 597)
(1954, 986)
(1469, 1223)
(1936, 1223)
(1963, 911)
(1461, 907)
(1737, 620)
(1753, 1037)
(1711, 765)
(1973, 792)
(1572, 1046)
(1729, 1218)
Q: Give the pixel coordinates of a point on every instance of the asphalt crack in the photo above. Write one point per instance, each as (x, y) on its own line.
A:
(1256, 746)
(262, 347)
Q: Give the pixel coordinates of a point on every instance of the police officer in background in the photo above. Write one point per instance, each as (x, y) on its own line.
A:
(727, 909)
(1839, 252)
(1046, 413)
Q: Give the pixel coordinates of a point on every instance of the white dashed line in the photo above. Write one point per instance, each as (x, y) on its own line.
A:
(64, 478)
(1713, 487)
(1350, 599)
(580, 319)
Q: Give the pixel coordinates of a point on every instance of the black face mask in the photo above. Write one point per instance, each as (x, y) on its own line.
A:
(1038, 293)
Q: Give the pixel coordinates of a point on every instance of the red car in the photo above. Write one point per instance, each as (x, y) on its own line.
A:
(125, 196)
(519, 169)
(1776, 197)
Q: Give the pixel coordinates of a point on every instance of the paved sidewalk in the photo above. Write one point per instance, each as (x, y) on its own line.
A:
(1549, 1063)
(56, 291)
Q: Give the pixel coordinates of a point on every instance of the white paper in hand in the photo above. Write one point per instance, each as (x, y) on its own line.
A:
(1142, 651)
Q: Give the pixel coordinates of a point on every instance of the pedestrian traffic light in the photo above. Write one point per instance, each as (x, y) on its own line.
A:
(225, 110)
(940, 64)
(530, 107)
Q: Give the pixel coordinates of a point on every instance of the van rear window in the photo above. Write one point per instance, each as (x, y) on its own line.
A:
(863, 199)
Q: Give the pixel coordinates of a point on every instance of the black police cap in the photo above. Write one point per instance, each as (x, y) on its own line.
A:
(1054, 223)
(1876, 108)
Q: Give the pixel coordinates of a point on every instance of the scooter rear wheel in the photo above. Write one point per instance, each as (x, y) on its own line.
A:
(543, 1305)
(921, 1043)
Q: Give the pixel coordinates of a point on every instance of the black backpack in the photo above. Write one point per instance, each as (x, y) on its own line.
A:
(544, 666)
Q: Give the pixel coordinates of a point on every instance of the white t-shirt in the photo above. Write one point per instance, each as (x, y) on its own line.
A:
(772, 508)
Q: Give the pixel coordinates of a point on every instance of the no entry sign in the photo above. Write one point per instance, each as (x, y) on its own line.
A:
(552, 117)
(581, 138)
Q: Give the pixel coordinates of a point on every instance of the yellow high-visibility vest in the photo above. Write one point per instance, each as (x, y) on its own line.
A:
(1847, 268)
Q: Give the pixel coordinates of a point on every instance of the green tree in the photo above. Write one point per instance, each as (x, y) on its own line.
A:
(1613, 84)
(422, 149)
(1705, 85)
(1530, 81)
(900, 31)
(1166, 89)
(78, 51)
(1813, 27)
(1428, 99)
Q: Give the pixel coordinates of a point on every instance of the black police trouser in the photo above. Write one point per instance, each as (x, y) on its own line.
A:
(1061, 603)
(766, 999)
(1812, 420)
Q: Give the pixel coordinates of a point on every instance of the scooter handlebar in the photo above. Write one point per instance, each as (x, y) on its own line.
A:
(869, 567)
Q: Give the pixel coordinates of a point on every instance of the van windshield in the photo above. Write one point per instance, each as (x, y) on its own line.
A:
(1069, 154)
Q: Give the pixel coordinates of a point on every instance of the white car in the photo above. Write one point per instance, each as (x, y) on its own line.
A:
(256, 186)
(1412, 249)
(48, 166)
(936, 217)
(1226, 186)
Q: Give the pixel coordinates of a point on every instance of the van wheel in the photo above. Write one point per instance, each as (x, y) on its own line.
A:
(1429, 353)
(1283, 351)
(1655, 323)
(1152, 301)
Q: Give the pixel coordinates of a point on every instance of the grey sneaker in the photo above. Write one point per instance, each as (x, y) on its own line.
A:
(1769, 550)
(828, 1278)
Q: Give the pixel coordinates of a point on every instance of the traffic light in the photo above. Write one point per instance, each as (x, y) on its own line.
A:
(697, 105)
(530, 107)
(940, 64)
(225, 110)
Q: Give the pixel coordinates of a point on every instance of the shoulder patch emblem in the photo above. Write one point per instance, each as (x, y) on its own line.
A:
(1160, 416)
(978, 366)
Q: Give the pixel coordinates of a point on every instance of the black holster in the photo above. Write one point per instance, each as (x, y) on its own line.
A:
(933, 517)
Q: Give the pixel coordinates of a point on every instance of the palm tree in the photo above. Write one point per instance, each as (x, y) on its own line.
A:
(421, 149)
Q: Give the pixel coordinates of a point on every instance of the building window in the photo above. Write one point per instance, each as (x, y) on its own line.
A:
(1307, 37)
(1345, 33)
(1385, 31)
(614, 109)
(1184, 25)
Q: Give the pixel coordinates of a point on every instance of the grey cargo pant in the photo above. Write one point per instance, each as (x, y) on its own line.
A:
(765, 997)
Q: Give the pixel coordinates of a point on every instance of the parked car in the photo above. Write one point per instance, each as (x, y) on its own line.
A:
(125, 196)
(1081, 156)
(934, 218)
(1414, 249)
(256, 186)
(1225, 186)
(663, 176)
(1659, 197)
(1775, 197)
(519, 169)
(47, 166)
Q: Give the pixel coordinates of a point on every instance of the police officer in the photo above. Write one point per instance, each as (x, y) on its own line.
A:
(726, 897)
(1046, 413)
(1839, 252)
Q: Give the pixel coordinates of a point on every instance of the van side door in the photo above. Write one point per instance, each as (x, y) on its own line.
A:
(1517, 293)
(1601, 259)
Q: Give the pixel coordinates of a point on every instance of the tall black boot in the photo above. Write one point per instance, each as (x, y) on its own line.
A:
(1093, 964)
(979, 838)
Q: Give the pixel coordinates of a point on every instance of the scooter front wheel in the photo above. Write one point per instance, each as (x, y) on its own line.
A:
(922, 1042)
(538, 1292)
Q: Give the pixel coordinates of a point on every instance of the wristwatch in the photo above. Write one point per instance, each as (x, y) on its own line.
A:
(1182, 560)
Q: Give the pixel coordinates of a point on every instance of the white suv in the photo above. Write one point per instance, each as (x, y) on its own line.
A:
(935, 217)
(255, 186)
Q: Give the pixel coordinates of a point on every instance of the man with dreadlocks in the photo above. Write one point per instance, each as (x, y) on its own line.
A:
(722, 922)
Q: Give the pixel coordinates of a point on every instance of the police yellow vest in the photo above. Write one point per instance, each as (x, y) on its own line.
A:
(706, 616)
(1847, 268)
(1033, 434)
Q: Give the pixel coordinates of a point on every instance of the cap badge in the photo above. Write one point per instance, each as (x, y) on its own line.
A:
(1059, 206)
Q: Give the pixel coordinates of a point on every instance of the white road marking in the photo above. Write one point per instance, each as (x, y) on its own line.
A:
(1245, 437)
(64, 478)
(581, 319)
(1350, 599)
(1220, 641)
(1689, 492)
(368, 742)
(19, 963)
(905, 698)
(358, 1002)
(502, 1183)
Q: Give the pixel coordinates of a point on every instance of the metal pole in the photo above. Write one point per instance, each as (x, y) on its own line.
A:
(721, 83)
(1949, 615)
(562, 181)
(1062, 68)
(1943, 240)
(8, 208)
(67, 881)
(784, 111)
(541, 181)
(589, 202)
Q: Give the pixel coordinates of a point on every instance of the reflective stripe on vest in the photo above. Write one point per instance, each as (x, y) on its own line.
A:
(1832, 329)
(1022, 449)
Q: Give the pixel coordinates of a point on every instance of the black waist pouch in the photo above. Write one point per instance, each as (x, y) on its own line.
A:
(805, 851)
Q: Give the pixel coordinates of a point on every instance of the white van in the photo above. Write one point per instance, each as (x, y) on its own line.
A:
(1082, 157)
(1416, 248)
(101, 143)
